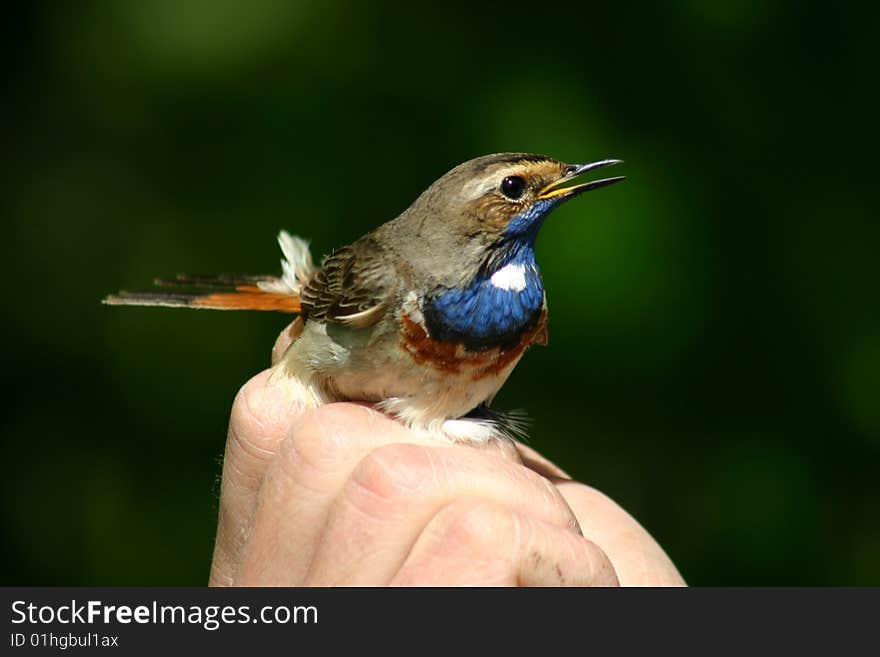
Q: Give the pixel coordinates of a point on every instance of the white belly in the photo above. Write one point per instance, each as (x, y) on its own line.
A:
(329, 362)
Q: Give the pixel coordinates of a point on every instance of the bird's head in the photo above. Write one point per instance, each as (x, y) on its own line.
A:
(509, 195)
(495, 201)
(471, 238)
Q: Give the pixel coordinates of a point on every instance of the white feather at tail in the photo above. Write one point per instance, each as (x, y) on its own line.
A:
(297, 266)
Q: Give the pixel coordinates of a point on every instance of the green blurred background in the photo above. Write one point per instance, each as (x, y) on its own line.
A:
(715, 337)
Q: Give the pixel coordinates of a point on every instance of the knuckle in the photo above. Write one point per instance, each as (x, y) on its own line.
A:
(475, 525)
(249, 420)
(392, 472)
(319, 440)
(303, 449)
(261, 416)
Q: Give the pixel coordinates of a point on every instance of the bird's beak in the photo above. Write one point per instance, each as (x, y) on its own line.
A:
(553, 190)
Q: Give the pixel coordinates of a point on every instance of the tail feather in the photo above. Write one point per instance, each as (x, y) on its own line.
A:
(211, 281)
(232, 291)
(244, 297)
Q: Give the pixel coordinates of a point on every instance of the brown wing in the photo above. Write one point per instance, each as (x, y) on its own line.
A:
(350, 288)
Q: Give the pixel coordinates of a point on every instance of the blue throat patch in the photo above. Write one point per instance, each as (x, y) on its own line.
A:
(482, 315)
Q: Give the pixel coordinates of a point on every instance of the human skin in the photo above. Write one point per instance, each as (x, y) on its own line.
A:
(344, 495)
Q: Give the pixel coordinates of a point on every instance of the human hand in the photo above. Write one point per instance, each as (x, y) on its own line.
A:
(343, 495)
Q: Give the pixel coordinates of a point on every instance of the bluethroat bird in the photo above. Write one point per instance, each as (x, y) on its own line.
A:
(427, 315)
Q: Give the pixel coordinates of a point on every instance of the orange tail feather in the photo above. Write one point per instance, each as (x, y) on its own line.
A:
(247, 296)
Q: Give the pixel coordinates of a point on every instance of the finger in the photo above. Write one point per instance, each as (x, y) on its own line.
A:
(262, 414)
(479, 543)
(313, 464)
(395, 491)
(637, 557)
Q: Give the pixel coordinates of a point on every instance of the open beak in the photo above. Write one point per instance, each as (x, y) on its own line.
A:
(553, 190)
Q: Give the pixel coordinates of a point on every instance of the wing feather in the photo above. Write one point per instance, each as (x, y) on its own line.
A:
(350, 288)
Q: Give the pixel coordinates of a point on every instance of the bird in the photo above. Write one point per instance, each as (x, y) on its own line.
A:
(427, 315)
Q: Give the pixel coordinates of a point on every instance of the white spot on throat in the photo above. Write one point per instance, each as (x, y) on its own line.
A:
(510, 277)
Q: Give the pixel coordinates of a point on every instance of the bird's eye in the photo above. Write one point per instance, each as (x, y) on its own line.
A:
(513, 187)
